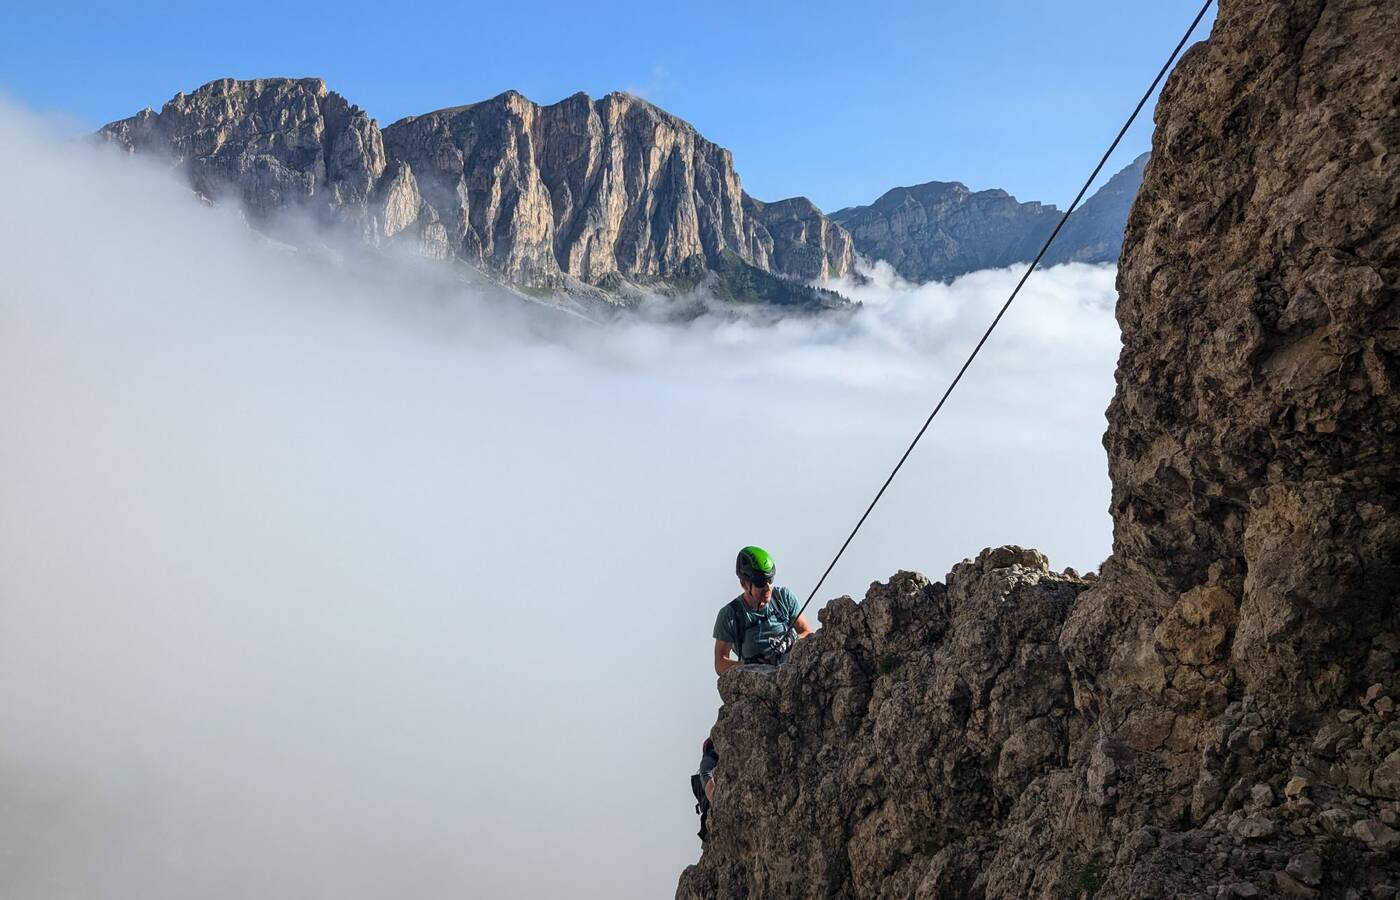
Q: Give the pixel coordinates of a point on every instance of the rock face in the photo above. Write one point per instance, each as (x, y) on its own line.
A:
(582, 189)
(599, 188)
(1215, 714)
(939, 230)
(794, 238)
(273, 144)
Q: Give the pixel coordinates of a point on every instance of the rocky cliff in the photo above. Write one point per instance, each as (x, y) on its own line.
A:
(940, 230)
(270, 144)
(592, 190)
(794, 238)
(1214, 714)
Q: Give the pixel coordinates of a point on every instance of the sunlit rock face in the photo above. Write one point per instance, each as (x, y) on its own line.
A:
(271, 143)
(1213, 714)
(587, 189)
(581, 187)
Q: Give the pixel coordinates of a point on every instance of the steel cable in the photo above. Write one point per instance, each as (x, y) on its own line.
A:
(1007, 305)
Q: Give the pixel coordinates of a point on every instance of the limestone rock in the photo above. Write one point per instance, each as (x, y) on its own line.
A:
(1306, 867)
(594, 191)
(1253, 828)
(275, 144)
(1377, 835)
(793, 238)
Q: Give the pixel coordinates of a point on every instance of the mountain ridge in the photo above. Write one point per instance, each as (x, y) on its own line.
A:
(609, 197)
(938, 230)
(580, 191)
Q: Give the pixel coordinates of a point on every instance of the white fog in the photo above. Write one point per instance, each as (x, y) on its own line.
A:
(318, 585)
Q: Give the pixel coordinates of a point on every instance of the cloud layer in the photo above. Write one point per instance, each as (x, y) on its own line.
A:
(319, 580)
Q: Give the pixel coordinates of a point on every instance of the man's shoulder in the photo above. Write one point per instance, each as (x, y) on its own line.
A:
(727, 623)
(726, 612)
(788, 599)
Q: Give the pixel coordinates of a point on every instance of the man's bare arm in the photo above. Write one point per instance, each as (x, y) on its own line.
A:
(722, 661)
(801, 626)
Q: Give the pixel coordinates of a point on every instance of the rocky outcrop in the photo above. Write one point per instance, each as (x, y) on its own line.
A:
(1214, 715)
(940, 230)
(582, 189)
(892, 745)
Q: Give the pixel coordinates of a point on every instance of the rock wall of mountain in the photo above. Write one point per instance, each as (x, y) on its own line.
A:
(1213, 714)
(794, 238)
(592, 190)
(270, 143)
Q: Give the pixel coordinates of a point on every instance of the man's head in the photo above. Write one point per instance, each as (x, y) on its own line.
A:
(755, 569)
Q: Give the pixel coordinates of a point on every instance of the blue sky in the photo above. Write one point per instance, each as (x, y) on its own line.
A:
(835, 101)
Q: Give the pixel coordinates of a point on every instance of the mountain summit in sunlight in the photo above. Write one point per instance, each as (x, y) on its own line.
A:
(603, 202)
(607, 199)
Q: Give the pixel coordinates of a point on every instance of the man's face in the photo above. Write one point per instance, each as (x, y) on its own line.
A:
(756, 593)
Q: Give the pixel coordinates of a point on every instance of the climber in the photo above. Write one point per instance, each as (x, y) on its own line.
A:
(758, 624)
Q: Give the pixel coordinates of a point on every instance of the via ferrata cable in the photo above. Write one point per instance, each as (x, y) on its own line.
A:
(1007, 305)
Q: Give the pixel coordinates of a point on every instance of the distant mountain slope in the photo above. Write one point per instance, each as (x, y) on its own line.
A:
(585, 197)
(581, 192)
(939, 230)
(1094, 234)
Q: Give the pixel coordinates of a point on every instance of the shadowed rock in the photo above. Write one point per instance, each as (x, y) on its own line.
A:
(940, 230)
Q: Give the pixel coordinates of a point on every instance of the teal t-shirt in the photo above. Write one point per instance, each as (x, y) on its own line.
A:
(762, 627)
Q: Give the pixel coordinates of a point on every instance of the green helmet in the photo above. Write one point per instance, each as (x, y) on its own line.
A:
(754, 563)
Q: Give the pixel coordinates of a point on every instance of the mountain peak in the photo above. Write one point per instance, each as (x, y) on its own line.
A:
(544, 196)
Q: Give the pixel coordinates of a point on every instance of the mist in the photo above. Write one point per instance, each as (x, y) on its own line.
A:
(317, 581)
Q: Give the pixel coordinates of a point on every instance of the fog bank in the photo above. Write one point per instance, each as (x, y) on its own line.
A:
(316, 582)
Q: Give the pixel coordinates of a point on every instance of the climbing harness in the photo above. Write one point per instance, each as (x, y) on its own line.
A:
(740, 620)
(1007, 305)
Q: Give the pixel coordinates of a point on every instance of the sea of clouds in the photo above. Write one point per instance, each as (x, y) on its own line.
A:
(319, 581)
